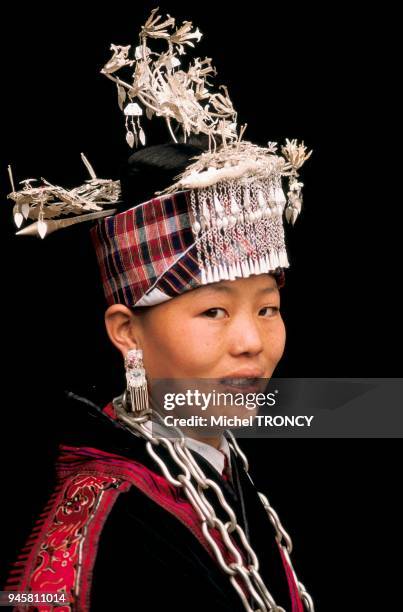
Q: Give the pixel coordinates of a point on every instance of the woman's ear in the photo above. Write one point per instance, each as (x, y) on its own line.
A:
(122, 328)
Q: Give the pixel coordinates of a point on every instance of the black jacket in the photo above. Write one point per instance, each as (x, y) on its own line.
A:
(145, 557)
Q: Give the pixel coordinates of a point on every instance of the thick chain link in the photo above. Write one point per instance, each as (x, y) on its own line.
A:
(245, 578)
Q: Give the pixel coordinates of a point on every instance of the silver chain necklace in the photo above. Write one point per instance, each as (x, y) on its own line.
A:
(238, 573)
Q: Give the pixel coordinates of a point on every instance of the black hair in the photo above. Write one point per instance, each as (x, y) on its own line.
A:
(155, 168)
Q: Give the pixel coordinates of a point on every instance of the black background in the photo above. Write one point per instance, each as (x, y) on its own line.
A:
(312, 74)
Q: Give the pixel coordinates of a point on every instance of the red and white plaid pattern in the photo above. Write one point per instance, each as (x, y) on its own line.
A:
(150, 246)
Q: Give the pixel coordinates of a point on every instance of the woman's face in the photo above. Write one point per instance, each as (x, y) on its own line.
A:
(225, 329)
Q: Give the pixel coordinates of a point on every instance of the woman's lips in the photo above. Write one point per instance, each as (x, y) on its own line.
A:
(248, 384)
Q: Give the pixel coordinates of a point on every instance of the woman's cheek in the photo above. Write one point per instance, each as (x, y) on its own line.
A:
(279, 340)
(201, 346)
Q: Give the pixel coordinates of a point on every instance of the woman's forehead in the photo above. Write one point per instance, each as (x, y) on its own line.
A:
(264, 283)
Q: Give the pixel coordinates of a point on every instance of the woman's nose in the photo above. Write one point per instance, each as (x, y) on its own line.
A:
(246, 336)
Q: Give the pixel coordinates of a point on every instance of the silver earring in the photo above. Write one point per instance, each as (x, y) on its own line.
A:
(136, 380)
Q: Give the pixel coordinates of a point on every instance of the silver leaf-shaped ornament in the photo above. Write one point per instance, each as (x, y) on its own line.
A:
(279, 196)
(288, 214)
(18, 219)
(149, 113)
(130, 138)
(218, 206)
(121, 96)
(246, 199)
(42, 228)
(25, 210)
(234, 205)
(261, 199)
(142, 137)
(297, 204)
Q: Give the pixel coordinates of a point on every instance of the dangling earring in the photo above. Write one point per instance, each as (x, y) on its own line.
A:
(136, 380)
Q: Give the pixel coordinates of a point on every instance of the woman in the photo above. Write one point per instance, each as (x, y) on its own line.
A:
(192, 280)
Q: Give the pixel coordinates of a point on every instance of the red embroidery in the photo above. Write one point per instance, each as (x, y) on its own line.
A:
(63, 553)
(60, 554)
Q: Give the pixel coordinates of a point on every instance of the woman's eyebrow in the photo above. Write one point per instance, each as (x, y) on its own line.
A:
(268, 289)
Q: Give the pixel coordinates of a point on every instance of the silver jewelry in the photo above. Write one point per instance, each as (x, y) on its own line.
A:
(136, 381)
(192, 480)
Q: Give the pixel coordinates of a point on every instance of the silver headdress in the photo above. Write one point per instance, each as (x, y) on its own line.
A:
(164, 89)
(235, 190)
(236, 186)
(44, 204)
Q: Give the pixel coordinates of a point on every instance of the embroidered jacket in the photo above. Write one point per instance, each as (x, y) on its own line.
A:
(116, 535)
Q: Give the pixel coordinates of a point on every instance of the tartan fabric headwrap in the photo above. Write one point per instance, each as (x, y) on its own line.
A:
(148, 254)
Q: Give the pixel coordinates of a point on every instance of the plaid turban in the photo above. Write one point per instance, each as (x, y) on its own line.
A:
(147, 254)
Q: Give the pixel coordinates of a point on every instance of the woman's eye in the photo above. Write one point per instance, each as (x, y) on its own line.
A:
(269, 311)
(214, 313)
